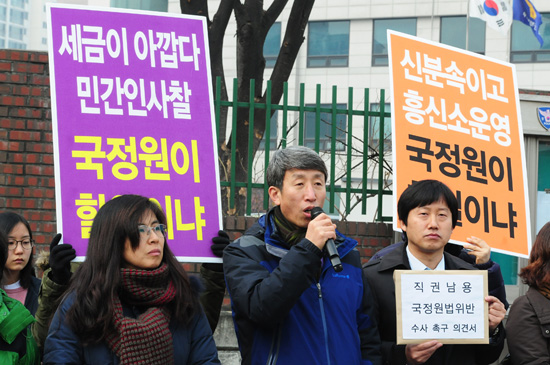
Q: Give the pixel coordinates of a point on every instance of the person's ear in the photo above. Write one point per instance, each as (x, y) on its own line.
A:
(275, 195)
(403, 226)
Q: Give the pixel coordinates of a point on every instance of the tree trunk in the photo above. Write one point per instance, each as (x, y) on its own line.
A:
(253, 24)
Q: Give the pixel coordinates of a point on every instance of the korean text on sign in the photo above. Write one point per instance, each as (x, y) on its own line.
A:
(133, 113)
(456, 119)
(445, 305)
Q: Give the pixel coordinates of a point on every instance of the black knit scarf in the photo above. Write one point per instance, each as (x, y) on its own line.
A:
(146, 339)
(290, 233)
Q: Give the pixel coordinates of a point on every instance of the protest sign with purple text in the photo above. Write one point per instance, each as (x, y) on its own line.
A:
(132, 112)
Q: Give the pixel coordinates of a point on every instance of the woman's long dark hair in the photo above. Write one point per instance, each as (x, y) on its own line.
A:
(537, 273)
(3, 252)
(97, 280)
(8, 220)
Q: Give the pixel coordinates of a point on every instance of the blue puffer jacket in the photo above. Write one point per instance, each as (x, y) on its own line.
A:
(193, 344)
(291, 307)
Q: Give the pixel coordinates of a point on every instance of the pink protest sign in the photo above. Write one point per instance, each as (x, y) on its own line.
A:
(132, 112)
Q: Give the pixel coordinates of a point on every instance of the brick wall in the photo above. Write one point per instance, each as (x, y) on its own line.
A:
(26, 160)
(27, 183)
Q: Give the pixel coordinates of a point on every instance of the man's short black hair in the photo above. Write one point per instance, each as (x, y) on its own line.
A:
(425, 192)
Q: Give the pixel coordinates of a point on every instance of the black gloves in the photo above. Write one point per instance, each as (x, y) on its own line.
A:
(60, 260)
(220, 242)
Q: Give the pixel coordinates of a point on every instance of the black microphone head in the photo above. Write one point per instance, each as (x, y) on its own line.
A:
(315, 212)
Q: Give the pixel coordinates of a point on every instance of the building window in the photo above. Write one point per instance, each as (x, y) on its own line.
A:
(18, 16)
(17, 33)
(272, 45)
(325, 128)
(508, 266)
(380, 38)
(16, 45)
(328, 44)
(153, 5)
(374, 127)
(525, 46)
(18, 3)
(453, 33)
(543, 185)
(273, 127)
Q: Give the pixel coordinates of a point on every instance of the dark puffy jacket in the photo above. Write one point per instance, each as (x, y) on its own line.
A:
(193, 344)
(291, 307)
(31, 301)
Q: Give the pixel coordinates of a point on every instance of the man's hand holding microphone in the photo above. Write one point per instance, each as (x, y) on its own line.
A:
(322, 232)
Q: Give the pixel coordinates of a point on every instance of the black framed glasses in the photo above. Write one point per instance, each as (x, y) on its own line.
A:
(27, 244)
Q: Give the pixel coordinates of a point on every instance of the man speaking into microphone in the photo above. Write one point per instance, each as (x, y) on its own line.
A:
(290, 305)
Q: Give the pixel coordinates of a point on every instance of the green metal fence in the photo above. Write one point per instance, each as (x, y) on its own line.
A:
(354, 156)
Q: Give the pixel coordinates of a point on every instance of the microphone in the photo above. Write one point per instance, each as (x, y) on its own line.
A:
(329, 246)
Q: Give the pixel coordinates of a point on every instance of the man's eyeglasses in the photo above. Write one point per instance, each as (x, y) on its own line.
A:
(145, 231)
(26, 244)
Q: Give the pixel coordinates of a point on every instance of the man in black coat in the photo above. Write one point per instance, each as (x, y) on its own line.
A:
(428, 212)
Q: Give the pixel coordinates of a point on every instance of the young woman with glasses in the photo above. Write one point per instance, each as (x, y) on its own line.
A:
(17, 345)
(18, 280)
(130, 301)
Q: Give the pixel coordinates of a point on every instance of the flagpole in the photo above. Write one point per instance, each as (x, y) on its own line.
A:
(509, 33)
(467, 22)
(508, 42)
(432, 26)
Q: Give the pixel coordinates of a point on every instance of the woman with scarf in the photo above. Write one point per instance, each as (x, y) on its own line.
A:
(130, 302)
(19, 281)
(17, 346)
(528, 325)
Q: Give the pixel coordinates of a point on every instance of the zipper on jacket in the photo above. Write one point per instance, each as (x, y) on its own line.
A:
(275, 344)
(324, 321)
